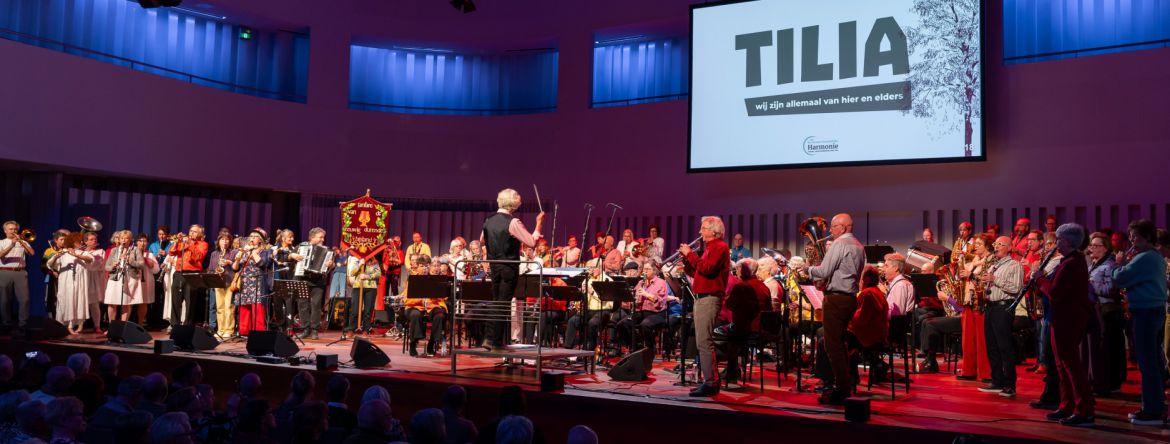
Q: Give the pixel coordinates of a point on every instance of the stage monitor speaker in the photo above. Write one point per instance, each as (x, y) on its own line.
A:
(857, 409)
(552, 381)
(367, 355)
(274, 343)
(42, 328)
(164, 346)
(634, 366)
(326, 362)
(127, 332)
(189, 337)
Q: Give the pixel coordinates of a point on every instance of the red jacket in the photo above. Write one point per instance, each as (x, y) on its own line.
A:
(870, 323)
(1068, 291)
(711, 271)
(746, 300)
(190, 255)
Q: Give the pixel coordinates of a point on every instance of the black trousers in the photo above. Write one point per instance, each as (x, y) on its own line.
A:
(933, 330)
(597, 320)
(437, 317)
(1109, 362)
(503, 286)
(180, 294)
(1051, 392)
(643, 324)
(366, 296)
(1001, 345)
(309, 310)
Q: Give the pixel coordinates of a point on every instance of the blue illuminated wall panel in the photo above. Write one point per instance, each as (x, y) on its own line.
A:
(642, 71)
(1035, 30)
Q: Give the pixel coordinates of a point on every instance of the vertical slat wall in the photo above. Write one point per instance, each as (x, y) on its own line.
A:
(141, 206)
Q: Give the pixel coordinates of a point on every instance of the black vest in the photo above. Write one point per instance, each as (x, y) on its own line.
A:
(501, 245)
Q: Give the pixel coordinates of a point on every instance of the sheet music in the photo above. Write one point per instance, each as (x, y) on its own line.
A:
(814, 296)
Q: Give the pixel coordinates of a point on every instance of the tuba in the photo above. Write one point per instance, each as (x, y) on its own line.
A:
(814, 229)
(949, 283)
(89, 224)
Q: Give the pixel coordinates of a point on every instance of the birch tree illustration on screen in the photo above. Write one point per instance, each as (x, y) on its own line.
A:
(946, 76)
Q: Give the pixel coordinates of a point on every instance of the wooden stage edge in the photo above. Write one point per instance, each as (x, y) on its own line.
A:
(938, 409)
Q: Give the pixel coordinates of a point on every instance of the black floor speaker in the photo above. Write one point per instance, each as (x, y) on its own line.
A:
(633, 367)
(127, 332)
(273, 343)
(188, 337)
(367, 355)
(42, 328)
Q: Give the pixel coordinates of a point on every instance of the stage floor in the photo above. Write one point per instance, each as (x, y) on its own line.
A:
(935, 402)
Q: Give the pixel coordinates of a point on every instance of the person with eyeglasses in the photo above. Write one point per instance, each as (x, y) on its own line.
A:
(1003, 280)
(1108, 362)
(1067, 289)
(1141, 271)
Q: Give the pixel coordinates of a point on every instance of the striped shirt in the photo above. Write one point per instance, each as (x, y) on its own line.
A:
(1009, 279)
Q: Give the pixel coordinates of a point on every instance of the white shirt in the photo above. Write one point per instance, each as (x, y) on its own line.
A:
(15, 256)
(901, 296)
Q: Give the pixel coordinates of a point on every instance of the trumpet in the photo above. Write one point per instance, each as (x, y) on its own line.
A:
(677, 256)
(28, 235)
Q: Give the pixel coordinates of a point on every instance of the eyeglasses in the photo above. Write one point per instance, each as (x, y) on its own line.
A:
(1097, 245)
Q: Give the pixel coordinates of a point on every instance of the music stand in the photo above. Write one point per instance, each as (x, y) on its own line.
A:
(204, 281)
(527, 285)
(475, 292)
(564, 294)
(877, 253)
(617, 292)
(681, 288)
(290, 289)
(925, 284)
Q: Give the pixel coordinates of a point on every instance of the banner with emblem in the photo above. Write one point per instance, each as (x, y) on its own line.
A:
(365, 226)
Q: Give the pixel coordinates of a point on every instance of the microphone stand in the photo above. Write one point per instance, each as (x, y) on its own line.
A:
(609, 226)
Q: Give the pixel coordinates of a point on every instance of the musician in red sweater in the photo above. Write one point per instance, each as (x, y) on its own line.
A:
(710, 274)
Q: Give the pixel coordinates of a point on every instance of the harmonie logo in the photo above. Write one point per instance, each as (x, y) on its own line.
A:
(813, 147)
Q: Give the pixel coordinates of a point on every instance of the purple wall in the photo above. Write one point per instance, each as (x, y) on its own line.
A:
(1060, 135)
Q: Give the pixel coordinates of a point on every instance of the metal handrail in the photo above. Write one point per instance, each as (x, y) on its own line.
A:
(15, 36)
(468, 110)
(649, 99)
(456, 316)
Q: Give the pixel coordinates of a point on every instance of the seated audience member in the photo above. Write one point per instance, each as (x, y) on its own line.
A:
(514, 430)
(58, 381)
(30, 423)
(376, 392)
(255, 423)
(460, 430)
(79, 363)
(102, 422)
(108, 371)
(246, 391)
(376, 425)
(33, 370)
(9, 401)
(171, 428)
(300, 390)
(342, 421)
(154, 395)
(512, 403)
(581, 434)
(66, 418)
(7, 374)
(427, 427)
(309, 422)
(187, 374)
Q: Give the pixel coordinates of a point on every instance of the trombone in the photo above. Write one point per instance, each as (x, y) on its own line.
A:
(28, 235)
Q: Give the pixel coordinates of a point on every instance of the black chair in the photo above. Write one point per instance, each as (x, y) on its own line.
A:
(771, 333)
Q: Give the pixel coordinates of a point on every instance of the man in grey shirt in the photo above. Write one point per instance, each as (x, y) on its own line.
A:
(841, 271)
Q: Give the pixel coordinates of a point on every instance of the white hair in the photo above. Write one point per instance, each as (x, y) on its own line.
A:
(1073, 233)
(715, 224)
(796, 262)
(376, 392)
(746, 267)
(766, 266)
(508, 200)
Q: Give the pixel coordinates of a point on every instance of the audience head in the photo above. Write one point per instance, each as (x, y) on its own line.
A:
(7, 371)
(376, 392)
(130, 389)
(310, 420)
(79, 363)
(582, 434)
(302, 385)
(108, 364)
(66, 416)
(171, 428)
(187, 374)
(512, 401)
(514, 429)
(8, 403)
(375, 415)
(249, 385)
(185, 400)
(30, 417)
(428, 426)
(337, 389)
(455, 398)
(154, 387)
(58, 381)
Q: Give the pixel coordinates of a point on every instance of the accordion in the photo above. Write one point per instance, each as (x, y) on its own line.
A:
(314, 263)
